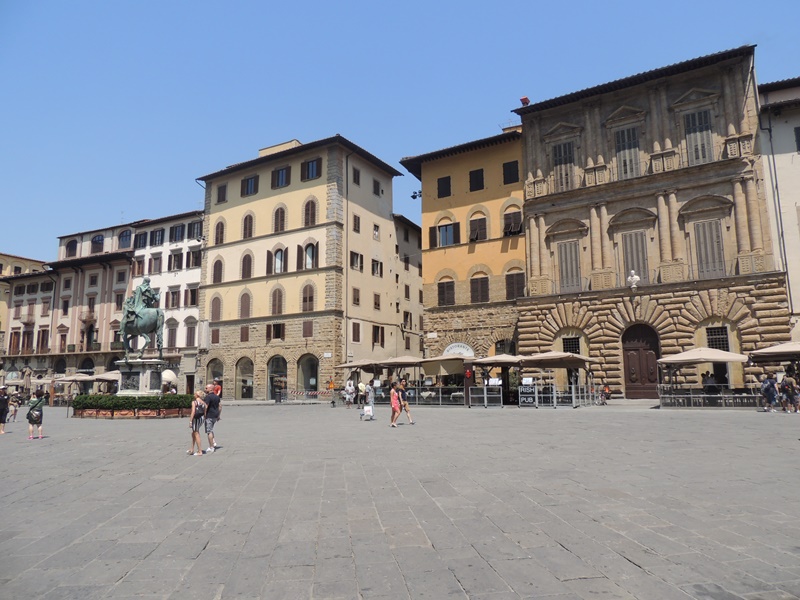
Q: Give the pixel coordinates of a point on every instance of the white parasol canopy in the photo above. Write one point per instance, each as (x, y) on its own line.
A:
(557, 360)
(781, 352)
(702, 355)
(499, 360)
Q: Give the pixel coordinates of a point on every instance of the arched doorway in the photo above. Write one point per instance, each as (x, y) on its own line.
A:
(307, 368)
(244, 379)
(214, 370)
(276, 378)
(60, 367)
(640, 351)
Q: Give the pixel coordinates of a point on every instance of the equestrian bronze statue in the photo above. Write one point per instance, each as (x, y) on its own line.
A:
(141, 317)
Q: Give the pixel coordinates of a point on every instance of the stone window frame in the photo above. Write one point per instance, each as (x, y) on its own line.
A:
(693, 101)
(240, 304)
(250, 264)
(703, 208)
(562, 231)
(475, 214)
(279, 218)
(564, 133)
(215, 277)
(631, 220)
(281, 296)
(248, 225)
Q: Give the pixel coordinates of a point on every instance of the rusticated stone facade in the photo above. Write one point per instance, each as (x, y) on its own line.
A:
(753, 308)
(478, 327)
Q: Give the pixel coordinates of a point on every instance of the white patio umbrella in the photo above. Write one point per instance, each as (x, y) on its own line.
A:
(557, 360)
(778, 353)
(445, 364)
(107, 376)
(702, 355)
(499, 360)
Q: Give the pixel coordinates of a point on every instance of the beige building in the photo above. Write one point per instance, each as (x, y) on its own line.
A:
(780, 146)
(474, 251)
(12, 265)
(659, 174)
(301, 268)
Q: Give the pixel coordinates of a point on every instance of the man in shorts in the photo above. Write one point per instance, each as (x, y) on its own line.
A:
(401, 391)
(213, 414)
(789, 390)
(769, 392)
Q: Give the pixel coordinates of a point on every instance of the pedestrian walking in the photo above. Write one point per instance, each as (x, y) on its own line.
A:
(349, 393)
(395, 400)
(769, 392)
(4, 403)
(403, 397)
(788, 390)
(213, 414)
(196, 420)
(13, 407)
(36, 414)
(362, 393)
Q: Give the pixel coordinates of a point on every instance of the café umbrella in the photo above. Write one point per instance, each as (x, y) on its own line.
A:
(702, 355)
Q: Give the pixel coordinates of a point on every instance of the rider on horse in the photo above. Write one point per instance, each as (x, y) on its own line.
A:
(143, 297)
(141, 317)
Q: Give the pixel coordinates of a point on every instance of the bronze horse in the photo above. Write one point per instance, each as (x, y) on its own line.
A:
(145, 322)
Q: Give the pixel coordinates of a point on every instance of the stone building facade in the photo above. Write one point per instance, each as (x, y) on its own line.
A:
(301, 247)
(474, 248)
(11, 264)
(647, 228)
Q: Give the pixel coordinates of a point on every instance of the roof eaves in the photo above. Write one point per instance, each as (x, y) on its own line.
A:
(782, 84)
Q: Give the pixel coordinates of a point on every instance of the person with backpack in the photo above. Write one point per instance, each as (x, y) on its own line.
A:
(196, 422)
(36, 413)
(789, 390)
(769, 392)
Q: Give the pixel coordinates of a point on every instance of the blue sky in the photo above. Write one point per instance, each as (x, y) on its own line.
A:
(110, 110)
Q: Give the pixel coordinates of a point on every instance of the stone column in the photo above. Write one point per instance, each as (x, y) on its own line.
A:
(544, 266)
(655, 134)
(599, 143)
(595, 232)
(674, 230)
(728, 101)
(664, 243)
(740, 218)
(533, 241)
(605, 242)
(753, 215)
(590, 139)
(665, 131)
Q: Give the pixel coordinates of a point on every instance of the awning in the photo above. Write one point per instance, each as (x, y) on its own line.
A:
(702, 355)
(789, 351)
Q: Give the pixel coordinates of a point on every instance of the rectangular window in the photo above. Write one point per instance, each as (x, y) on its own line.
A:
(377, 268)
(447, 293)
(477, 229)
(155, 265)
(406, 262)
(138, 267)
(193, 258)
(47, 286)
(215, 336)
(191, 330)
(479, 289)
(699, 142)
(195, 230)
(515, 285)
(634, 255)
(45, 306)
(717, 338)
(244, 333)
(308, 329)
(443, 187)
(356, 332)
(140, 241)
(797, 138)
(119, 299)
(249, 185)
(157, 237)
(421, 297)
(710, 256)
(357, 261)
(377, 336)
(64, 308)
(571, 344)
(476, 180)
(311, 169)
(356, 224)
(512, 223)
(408, 320)
(376, 231)
(175, 262)
(405, 234)
(222, 193)
(67, 284)
(356, 297)
(376, 187)
(174, 299)
(510, 172)
(408, 342)
(92, 280)
(172, 337)
(120, 276)
(563, 161)
(408, 292)
(627, 144)
(569, 267)
(449, 234)
(376, 301)
(177, 233)
(356, 176)
(281, 177)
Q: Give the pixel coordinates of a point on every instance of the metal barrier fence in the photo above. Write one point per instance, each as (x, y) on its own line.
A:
(301, 395)
(486, 396)
(551, 396)
(717, 397)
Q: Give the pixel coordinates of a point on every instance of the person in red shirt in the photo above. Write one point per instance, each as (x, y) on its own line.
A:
(218, 387)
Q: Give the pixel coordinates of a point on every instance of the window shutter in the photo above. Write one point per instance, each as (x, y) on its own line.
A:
(299, 258)
(269, 262)
(243, 190)
(382, 337)
(316, 255)
(569, 266)
(432, 232)
(456, 233)
(474, 289)
(269, 332)
(634, 252)
(710, 257)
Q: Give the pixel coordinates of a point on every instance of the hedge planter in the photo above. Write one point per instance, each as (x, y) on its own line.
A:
(147, 413)
(125, 414)
(126, 407)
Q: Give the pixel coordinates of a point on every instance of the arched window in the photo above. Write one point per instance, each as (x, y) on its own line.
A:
(310, 257)
(247, 266)
(277, 302)
(280, 261)
(310, 214)
(512, 221)
(72, 248)
(125, 239)
(97, 244)
(217, 275)
(308, 298)
(279, 222)
(216, 309)
(247, 227)
(219, 233)
(244, 306)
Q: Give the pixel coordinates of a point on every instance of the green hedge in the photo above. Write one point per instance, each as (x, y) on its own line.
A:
(106, 402)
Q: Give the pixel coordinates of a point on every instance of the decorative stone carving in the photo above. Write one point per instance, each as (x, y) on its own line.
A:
(732, 147)
(602, 280)
(672, 272)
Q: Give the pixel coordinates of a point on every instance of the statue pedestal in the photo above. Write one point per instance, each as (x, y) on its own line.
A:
(140, 376)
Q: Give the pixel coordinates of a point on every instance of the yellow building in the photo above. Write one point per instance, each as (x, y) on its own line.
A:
(300, 269)
(474, 248)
